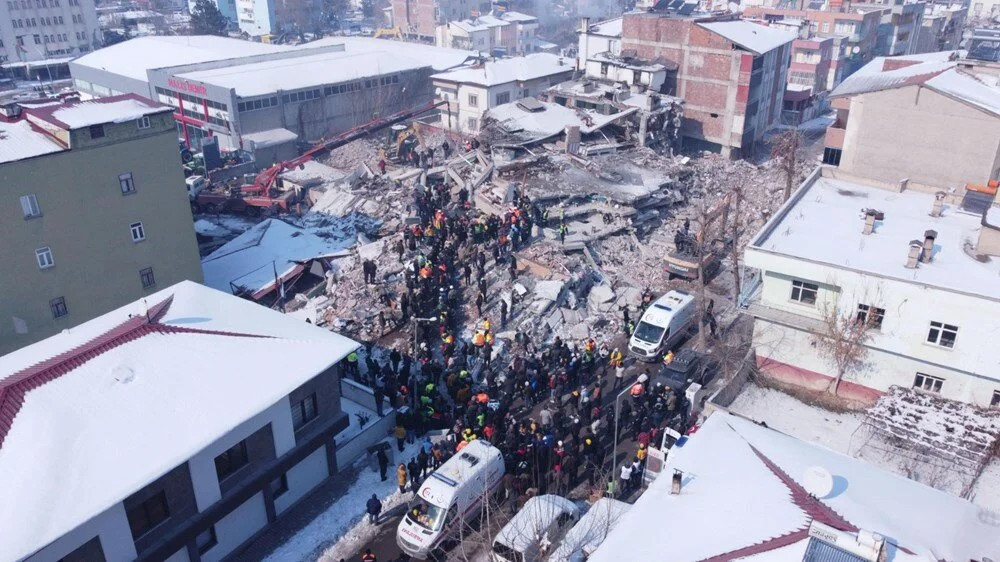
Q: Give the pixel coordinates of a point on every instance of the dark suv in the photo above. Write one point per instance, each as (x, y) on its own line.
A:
(687, 367)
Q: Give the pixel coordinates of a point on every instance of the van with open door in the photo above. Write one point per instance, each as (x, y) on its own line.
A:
(662, 325)
(451, 496)
(534, 531)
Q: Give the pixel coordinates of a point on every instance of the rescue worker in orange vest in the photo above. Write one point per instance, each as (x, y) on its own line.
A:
(479, 339)
(482, 398)
(489, 338)
(368, 556)
(636, 390)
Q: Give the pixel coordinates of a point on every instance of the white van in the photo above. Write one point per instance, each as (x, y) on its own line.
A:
(451, 495)
(530, 534)
(663, 323)
(590, 531)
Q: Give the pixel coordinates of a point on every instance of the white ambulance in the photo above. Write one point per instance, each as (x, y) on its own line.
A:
(663, 323)
(451, 495)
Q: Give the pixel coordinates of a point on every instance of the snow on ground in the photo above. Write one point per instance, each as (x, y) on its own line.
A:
(354, 411)
(340, 530)
(987, 490)
(787, 414)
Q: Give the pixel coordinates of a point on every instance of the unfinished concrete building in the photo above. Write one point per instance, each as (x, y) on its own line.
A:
(731, 74)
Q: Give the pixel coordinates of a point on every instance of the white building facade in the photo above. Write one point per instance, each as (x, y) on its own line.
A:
(602, 37)
(42, 29)
(932, 326)
(471, 92)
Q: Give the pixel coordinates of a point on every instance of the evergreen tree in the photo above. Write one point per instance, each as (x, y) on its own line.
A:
(206, 19)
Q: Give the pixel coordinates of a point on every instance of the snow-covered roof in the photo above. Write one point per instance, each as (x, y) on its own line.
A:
(608, 28)
(634, 64)
(438, 58)
(518, 17)
(824, 224)
(134, 57)
(252, 259)
(294, 73)
(533, 126)
(19, 141)
(743, 497)
(110, 405)
(114, 109)
(480, 23)
(514, 69)
(937, 71)
(751, 36)
(271, 137)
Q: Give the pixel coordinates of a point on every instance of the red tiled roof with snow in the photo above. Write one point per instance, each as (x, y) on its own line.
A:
(741, 498)
(124, 398)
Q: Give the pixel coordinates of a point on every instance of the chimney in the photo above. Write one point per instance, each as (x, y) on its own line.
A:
(675, 483)
(903, 183)
(928, 252)
(938, 204)
(869, 222)
(914, 254)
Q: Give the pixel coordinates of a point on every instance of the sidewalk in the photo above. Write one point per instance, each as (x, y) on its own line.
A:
(332, 512)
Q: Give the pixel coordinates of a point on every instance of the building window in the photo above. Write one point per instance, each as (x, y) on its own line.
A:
(604, 69)
(279, 486)
(29, 205)
(804, 292)
(231, 460)
(473, 124)
(995, 401)
(146, 276)
(473, 100)
(205, 540)
(525, 93)
(831, 156)
(928, 383)
(942, 334)
(138, 232)
(58, 307)
(126, 183)
(144, 517)
(96, 131)
(871, 316)
(503, 98)
(44, 257)
(142, 122)
(304, 412)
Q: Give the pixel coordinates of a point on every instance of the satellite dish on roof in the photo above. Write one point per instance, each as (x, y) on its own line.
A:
(818, 481)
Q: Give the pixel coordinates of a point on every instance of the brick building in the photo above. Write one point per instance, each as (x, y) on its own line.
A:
(731, 74)
(419, 18)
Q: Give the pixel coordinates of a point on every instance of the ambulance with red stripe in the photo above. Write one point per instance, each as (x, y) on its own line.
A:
(451, 496)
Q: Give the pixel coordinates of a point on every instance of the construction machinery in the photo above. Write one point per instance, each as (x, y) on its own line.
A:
(263, 192)
(389, 33)
(693, 255)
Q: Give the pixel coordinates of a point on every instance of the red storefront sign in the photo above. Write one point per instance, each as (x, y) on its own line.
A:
(186, 86)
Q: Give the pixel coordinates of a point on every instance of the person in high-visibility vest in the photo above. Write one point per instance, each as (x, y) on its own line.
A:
(616, 358)
(668, 358)
(479, 339)
(636, 390)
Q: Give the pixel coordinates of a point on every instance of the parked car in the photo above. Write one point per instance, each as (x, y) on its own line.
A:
(687, 367)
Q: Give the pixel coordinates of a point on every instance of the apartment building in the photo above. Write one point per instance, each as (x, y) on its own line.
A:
(942, 28)
(855, 34)
(33, 30)
(897, 115)
(94, 214)
(601, 37)
(914, 263)
(730, 73)
(505, 33)
(472, 91)
(899, 27)
(420, 18)
(176, 427)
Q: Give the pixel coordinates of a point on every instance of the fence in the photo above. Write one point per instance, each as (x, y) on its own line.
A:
(725, 395)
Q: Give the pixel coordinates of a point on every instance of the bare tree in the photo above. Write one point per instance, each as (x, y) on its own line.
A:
(786, 151)
(843, 340)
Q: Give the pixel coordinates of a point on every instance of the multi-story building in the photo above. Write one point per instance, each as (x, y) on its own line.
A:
(102, 218)
(855, 34)
(984, 10)
(911, 262)
(899, 27)
(473, 90)
(730, 73)
(192, 419)
(507, 33)
(43, 29)
(809, 73)
(895, 116)
(942, 28)
(420, 18)
(601, 37)
(239, 90)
